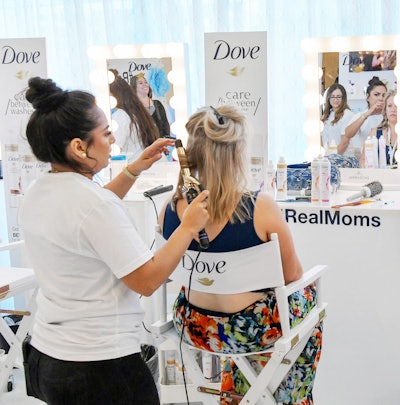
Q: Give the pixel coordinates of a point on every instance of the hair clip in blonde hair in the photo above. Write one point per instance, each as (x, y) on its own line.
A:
(220, 118)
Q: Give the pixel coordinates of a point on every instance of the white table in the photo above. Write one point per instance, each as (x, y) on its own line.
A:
(360, 355)
(145, 215)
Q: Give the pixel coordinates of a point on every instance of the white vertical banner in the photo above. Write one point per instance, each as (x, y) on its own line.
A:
(236, 73)
(20, 59)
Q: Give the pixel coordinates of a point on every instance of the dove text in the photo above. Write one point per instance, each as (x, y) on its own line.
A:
(203, 267)
(10, 55)
(224, 50)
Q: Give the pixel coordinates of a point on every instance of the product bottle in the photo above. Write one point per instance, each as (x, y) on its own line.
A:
(332, 147)
(369, 153)
(170, 366)
(325, 181)
(206, 364)
(12, 168)
(117, 163)
(315, 181)
(382, 152)
(375, 157)
(28, 171)
(270, 179)
(281, 179)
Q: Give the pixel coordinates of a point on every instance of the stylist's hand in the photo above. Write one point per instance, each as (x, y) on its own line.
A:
(195, 216)
(375, 108)
(150, 155)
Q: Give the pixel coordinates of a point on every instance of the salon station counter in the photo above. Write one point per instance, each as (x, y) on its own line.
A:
(360, 355)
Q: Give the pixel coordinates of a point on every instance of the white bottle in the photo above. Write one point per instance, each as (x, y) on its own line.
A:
(281, 179)
(12, 168)
(325, 181)
(270, 179)
(369, 153)
(28, 171)
(315, 181)
(117, 163)
(170, 366)
(332, 147)
(375, 158)
(382, 152)
(206, 364)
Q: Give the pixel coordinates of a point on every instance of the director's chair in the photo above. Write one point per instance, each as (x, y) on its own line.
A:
(15, 282)
(246, 270)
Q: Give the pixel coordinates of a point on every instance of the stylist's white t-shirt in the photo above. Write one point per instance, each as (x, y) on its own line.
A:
(357, 141)
(125, 137)
(80, 242)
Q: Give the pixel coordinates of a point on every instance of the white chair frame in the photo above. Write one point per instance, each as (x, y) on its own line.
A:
(281, 355)
(15, 281)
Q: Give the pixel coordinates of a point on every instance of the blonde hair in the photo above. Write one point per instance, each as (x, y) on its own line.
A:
(217, 156)
(385, 120)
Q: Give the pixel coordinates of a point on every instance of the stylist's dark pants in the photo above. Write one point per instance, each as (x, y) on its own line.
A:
(122, 381)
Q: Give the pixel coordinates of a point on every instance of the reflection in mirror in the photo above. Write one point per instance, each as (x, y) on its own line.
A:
(169, 57)
(147, 109)
(351, 61)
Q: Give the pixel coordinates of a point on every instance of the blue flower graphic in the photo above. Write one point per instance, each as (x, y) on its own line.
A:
(158, 82)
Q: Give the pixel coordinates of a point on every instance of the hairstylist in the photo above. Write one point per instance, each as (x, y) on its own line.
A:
(361, 124)
(89, 260)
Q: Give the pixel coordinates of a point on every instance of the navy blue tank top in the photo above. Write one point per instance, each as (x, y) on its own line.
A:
(232, 237)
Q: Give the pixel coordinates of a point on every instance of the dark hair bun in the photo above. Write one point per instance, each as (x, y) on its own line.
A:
(44, 94)
(374, 80)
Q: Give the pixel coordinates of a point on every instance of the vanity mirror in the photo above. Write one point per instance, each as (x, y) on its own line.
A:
(345, 59)
(167, 60)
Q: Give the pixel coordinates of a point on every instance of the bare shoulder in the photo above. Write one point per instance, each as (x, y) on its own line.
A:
(268, 217)
(266, 204)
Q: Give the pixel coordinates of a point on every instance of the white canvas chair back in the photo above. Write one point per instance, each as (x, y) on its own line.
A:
(231, 272)
(245, 270)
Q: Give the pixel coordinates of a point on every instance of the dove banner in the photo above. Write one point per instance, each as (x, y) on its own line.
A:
(20, 59)
(236, 73)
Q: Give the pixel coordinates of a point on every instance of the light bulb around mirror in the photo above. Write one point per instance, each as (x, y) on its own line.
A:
(110, 76)
(122, 51)
(339, 44)
(372, 43)
(175, 50)
(178, 128)
(309, 45)
(113, 102)
(97, 52)
(177, 77)
(114, 125)
(311, 98)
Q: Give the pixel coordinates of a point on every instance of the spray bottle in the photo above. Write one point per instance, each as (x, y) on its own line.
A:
(382, 152)
(325, 181)
(270, 179)
(315, 181)
(281, 179)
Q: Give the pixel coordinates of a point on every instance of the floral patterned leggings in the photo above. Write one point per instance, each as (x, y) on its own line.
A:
(254, 328)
